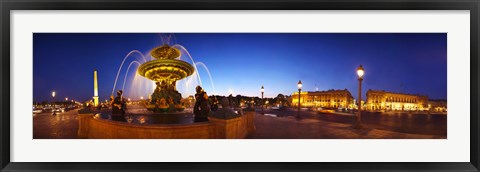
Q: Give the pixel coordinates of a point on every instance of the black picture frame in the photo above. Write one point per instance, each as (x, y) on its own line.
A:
(5, 78)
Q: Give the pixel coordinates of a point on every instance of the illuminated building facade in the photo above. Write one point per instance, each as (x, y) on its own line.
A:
(438, 105)
(325, 99)
(383, 100)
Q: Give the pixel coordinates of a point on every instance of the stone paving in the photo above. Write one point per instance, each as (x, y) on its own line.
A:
(65, 126)
(268, 127)
(61, 126)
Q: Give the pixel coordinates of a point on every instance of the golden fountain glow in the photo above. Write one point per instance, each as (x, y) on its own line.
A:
(166, 67)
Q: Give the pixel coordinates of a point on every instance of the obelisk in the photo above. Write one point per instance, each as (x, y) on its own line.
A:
(95, 88)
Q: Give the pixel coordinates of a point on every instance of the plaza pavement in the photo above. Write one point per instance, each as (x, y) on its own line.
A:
(60, 126)
(270, 127)
(65, 126)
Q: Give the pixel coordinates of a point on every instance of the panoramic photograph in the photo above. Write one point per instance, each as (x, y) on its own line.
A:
(239, 86)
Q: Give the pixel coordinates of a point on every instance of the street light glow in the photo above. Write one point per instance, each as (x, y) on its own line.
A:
(53, 94)
(299, 85)
(360, 71)
(358, 120)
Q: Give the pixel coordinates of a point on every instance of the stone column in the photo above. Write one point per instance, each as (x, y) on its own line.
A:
(95, 88)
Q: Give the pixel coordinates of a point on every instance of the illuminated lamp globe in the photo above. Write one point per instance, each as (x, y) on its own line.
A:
(360, 72)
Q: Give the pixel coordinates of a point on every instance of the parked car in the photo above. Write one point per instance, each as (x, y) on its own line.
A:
(37, 110)
(278, 108)
(60, 109)
(325, 110)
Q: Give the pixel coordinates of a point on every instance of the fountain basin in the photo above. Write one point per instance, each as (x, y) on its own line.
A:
(162, 69)
(99, 128)
(160, 118)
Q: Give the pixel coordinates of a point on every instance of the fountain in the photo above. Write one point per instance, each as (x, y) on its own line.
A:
(165, 70)
(164, 115)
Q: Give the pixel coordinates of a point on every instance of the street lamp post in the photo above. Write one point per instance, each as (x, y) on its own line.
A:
(262, 89)
(360, 73)
(299, 85)
(315, 98)
(53, 97)
(53, 102)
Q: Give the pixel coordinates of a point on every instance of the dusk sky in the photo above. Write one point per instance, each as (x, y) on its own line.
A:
(240, 63)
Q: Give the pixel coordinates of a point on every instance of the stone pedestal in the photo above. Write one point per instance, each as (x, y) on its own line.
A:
(236, 128)
(230, 129)
(250, 115)
(83, 125)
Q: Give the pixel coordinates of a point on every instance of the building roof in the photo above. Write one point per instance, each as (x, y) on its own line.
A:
(325, 91)
(391, 92)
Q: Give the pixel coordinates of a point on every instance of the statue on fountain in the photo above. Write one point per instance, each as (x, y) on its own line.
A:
(165, 70)
(118, 107)
(201, 108)
(165, 98)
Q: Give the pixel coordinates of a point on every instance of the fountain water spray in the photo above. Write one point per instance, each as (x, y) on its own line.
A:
(121, 65)
(208, 72)
(126, 73)
(144, 86)
(190, 58)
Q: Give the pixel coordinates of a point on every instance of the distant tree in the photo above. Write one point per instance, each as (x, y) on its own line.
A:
(257, 100)
(282, 99)
(238, 99)
(280, 96)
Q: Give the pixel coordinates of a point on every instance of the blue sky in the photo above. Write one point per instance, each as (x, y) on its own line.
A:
(240, 63)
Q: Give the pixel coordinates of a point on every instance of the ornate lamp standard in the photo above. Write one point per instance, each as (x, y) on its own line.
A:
(360, 73)
(53, 97)
(299, 85)
(262, 89)
(53, 102)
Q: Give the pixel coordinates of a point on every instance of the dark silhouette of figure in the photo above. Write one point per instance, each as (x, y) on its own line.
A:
(201, 108)
(118, 107)
(214, 104)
